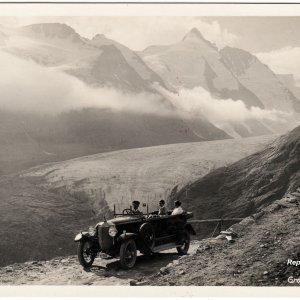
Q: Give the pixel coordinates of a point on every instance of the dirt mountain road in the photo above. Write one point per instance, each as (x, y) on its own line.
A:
(67, 271)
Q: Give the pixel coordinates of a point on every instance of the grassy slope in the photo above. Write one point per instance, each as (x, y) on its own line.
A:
(37, 224)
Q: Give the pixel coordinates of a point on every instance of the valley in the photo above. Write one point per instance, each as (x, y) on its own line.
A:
(145, 174)
(47, 205)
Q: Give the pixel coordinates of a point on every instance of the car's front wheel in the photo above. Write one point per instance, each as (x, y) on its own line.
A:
(85, 254)
(128, 254)
(184, 242)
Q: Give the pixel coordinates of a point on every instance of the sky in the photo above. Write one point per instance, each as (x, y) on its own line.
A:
(274, 40)
(255, 34)
(261, 34)
(135, 32)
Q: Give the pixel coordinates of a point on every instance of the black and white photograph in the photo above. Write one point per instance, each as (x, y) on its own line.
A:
(149, 150)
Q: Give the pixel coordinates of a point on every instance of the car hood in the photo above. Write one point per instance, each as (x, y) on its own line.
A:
(126, 219)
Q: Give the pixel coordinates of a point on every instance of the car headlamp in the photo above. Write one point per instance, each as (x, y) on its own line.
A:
(112, 231)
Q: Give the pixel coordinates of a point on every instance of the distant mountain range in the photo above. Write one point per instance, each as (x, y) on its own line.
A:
(192, 62)
(227, 73)
(260, 80)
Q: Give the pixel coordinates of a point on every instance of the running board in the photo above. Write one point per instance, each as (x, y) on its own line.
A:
(165, 247)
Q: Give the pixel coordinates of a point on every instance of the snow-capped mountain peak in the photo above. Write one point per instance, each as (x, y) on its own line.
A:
(99, 37)
(100, 40)
(195, 36)
(194, 33)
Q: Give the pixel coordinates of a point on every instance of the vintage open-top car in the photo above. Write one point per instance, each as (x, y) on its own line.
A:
(128, 232)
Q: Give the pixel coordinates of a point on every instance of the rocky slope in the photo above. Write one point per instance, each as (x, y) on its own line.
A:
(289, 81)
(193, 62)
(259, 79)
(99, 61)
(42, 210)
(132, 58)
(248, 184)
(227, 74)
(258, 256)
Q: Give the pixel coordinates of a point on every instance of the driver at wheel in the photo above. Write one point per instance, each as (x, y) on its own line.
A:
(135, 209)
(162, 208)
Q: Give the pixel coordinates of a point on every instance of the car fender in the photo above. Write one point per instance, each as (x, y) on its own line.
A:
(82, 235)
(190, 229)
(127, 236)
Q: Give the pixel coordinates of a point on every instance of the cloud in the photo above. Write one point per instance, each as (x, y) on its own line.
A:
(283, 61)
(149, 31)
(136, 33)
(198, 101)
(28, 87)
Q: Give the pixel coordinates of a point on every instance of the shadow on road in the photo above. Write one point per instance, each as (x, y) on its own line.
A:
(145, 265)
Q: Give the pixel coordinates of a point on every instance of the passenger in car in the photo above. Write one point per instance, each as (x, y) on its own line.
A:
(178, 209)
(162, 208)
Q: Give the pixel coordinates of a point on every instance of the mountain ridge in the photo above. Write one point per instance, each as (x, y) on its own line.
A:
(259, 79)
(249, 184)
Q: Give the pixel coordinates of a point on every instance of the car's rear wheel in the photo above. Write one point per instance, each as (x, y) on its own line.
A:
(128, 254)
(184, 241)
(85, 254)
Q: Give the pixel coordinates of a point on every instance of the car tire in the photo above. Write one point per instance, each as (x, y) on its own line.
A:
(147, 234)
(85, 255)
(185, 240)
(128, 254)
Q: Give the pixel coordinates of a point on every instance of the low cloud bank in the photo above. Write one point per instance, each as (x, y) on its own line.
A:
(198, 101)
(28, 87)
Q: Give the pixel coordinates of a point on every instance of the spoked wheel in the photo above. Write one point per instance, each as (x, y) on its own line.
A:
(85, 254)
(128, 254)
(147, 235)
(185, 243)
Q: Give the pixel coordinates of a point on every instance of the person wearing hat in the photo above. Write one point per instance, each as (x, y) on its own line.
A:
(178, 209)
(135, 209)
(162, 209)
